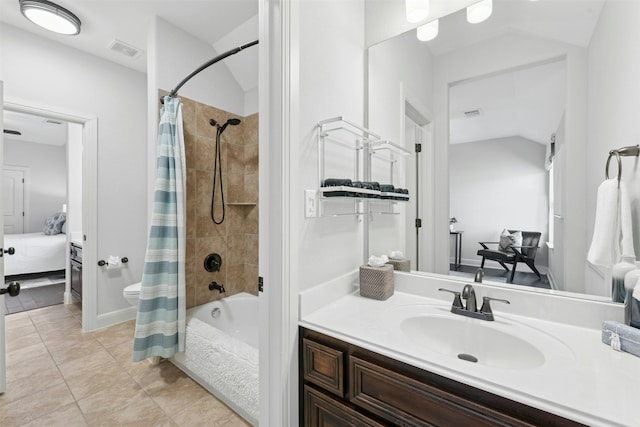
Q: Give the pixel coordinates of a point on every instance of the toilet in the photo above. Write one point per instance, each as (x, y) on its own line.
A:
(132, 293)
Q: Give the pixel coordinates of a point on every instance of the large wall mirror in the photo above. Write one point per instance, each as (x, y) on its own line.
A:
(515, 117)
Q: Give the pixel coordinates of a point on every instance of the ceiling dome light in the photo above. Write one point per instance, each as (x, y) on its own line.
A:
(50, 16)
(417, 10)
(428, 31)
(480, 11)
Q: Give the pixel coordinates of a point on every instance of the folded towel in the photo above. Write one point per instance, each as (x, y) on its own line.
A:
(612, 232)
(621, 337)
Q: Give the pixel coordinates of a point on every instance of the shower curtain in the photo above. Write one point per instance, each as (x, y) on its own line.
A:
(160, 323)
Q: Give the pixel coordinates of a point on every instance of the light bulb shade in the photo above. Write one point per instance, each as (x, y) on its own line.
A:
(428, 31)
(50, 16)
(480, 11)
(417, 10)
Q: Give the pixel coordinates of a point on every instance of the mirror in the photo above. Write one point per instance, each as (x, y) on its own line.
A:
(569, 69)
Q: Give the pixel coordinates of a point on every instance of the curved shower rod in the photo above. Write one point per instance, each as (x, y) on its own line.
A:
(207, 64)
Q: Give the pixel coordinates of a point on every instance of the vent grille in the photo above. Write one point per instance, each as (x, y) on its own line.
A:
(472, 113)
(124, 48)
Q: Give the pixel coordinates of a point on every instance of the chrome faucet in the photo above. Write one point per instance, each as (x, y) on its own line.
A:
(471, 309)
(469, 295)
(479, 276)
(213, 286)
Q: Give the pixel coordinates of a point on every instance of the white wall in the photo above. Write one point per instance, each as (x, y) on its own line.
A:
(331, 83)
(47, 182)
(614, 108)
(43, 72)
(398, 68)
(177, 54)
(498, 184)
(498, 54)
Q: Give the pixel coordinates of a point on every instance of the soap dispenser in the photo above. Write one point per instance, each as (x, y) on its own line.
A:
(618, 273)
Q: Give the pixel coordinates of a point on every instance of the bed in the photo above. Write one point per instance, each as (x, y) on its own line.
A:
(35, 253)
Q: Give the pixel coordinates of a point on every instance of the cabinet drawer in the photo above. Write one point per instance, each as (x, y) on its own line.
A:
(320, 410)
(323, 366)
(405, 401)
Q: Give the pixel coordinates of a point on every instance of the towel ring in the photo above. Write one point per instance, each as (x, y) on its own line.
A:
(606, 170)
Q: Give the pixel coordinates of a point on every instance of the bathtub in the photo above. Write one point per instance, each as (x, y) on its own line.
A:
(221, 351)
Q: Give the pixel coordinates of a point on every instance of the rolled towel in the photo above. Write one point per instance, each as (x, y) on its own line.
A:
(621, 337)
(336, 182)
(612, 232)
(387, 188)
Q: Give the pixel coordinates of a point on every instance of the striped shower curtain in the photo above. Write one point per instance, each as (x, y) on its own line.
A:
(160, 323)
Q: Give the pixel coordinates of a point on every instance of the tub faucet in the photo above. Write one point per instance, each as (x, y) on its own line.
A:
(213, 286)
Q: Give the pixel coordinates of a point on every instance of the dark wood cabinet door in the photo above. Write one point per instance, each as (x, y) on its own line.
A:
(323, 411)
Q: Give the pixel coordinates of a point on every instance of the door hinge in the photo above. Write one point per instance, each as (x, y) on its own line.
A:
(418, 223)
(22, 213)
(418, 148)
(23, 180)
(260, 284)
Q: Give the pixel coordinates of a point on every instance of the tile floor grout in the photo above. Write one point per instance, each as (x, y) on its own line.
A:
(159, 395)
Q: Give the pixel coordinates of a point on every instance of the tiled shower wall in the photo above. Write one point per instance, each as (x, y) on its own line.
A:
(236, 239)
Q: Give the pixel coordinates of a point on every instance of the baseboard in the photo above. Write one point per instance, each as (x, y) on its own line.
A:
(115, 317)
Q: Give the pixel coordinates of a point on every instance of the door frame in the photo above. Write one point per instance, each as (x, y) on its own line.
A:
(89, 123)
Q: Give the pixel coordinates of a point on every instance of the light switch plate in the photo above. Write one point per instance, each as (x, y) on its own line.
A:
(310, 204)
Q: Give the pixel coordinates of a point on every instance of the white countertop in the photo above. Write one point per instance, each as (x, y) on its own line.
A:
(595, 385)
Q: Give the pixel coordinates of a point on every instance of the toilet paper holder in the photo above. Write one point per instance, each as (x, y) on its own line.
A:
(123, 260)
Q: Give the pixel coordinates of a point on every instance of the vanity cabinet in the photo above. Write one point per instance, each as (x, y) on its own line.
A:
(345, 385)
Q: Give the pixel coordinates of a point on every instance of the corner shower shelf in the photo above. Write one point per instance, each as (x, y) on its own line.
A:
(364, 144)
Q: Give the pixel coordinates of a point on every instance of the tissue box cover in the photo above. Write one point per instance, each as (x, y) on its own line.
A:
(629, 336)
(376, 282)
(400, 264)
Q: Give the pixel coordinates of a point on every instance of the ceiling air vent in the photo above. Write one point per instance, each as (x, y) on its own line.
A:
(124, 48)
(472, 113)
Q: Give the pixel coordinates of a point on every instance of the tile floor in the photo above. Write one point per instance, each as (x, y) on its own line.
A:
(59, 376)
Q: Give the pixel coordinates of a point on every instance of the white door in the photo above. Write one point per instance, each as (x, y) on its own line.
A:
(13, 200)
(3, 290)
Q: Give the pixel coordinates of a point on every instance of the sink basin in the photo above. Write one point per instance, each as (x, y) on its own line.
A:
(501, 344)
(470, 340)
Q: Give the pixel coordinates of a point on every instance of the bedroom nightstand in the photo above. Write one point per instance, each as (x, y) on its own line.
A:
(76, 270)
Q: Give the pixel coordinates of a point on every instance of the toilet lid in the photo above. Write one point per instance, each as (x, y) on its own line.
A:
(132, 289)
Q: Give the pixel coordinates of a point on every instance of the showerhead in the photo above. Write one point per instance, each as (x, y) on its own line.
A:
(232, 122)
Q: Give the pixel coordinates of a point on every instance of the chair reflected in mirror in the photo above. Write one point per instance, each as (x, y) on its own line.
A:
(513, 253)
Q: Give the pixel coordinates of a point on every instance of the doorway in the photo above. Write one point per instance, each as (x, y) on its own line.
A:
(37, 166)
(80, 195)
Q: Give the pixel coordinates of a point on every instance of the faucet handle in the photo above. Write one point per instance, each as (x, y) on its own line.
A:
(457, 302)
(486, 306)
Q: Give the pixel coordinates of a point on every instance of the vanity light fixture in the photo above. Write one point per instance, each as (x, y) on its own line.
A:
(50, 16)
(480, 11)
(428, 31)
(417, 10)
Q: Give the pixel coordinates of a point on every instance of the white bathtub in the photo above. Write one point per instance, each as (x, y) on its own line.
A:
(222, 352)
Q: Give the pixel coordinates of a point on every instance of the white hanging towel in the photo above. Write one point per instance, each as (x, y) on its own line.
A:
(612, 232)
